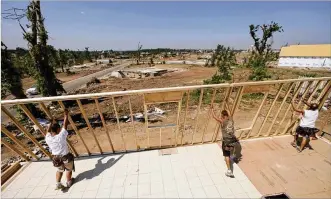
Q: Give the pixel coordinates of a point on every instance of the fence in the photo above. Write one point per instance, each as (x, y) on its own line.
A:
(114, 122)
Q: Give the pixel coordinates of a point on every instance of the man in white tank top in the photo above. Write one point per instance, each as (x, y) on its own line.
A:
(306, 126)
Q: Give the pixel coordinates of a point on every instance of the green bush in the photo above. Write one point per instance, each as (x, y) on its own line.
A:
(253, 96)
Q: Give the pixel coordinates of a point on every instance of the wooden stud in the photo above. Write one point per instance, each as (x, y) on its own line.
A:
(325, 89)
(23, 129)
(17, 141)
(304, 94)
(178, 120)
(11, 147)
(207, 122)
(288, 108)
(160, 137)
(324, 98)
(186, 108)
(104, 124)
(280, 108)
(242, 131)
(269, 111)
(32, 118)
(72, 123)
(146, 124)
(257, 114)
(45, 109)
(88, 124)
(313, 93)
(237, 100)
(118, 123)
(196, 118)
(132, 123)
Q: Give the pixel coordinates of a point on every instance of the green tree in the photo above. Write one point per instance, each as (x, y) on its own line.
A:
(11, 81)
(63, 58)
(262, 52)
(22, 60)
(53, 56)
(214, 56)
(224, 60)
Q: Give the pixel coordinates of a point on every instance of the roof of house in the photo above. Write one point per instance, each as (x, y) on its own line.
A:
(321, 50)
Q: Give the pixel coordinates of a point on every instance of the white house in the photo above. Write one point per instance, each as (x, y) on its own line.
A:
(310, 56)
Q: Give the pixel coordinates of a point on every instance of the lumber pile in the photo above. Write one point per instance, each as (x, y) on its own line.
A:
(9, 171)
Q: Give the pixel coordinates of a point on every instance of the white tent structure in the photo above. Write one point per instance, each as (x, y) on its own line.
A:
(308, 56)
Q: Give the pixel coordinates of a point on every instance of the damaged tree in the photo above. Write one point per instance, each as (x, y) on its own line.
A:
(37, 37)
(224, 59)
(139, 53)
(87, 54)
(262, 52)
(212, 61)
(11, 81)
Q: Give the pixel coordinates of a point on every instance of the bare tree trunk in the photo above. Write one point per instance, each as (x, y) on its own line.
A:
(47, 82)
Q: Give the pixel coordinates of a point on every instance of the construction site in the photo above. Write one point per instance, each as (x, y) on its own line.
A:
(149, 123)
(112, 116)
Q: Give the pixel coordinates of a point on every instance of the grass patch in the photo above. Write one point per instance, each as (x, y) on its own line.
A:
(253, 96)
(303, 74)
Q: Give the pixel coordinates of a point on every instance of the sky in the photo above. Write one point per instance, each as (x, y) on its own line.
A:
(104, 25)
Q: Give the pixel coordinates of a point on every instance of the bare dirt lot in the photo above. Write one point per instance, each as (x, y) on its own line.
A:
(125, 138)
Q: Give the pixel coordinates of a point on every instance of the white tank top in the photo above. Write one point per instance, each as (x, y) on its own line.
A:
(309, 118)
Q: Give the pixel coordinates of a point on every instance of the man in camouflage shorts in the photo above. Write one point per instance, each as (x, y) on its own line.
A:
(229, 139)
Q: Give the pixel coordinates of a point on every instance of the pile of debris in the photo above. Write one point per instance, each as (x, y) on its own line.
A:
(153, 115)
(93, 81)
(139, 72)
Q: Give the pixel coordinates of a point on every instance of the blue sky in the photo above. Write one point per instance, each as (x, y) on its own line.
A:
(121, 25)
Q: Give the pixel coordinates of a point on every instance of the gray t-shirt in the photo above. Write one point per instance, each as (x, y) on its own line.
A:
(227, 129)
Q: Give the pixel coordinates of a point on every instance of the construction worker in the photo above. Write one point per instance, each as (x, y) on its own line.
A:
(306, 126)
(56, 139)
(229, 139)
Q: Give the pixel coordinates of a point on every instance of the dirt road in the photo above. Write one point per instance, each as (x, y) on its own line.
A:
(73, 84)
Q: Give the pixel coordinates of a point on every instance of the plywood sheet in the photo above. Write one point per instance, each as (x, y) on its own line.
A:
(173, 96)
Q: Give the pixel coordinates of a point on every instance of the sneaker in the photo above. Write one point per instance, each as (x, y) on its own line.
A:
(59, 186)
(229, 174)
(70, 183)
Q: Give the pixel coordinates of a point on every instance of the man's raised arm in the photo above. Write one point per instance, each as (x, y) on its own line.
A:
(65, 122)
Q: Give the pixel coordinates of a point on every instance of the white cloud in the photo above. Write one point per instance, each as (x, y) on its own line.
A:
(82, 12)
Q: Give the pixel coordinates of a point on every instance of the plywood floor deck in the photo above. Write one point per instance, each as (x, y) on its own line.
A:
(274, 166)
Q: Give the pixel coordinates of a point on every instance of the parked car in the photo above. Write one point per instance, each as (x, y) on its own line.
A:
(32, 91)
